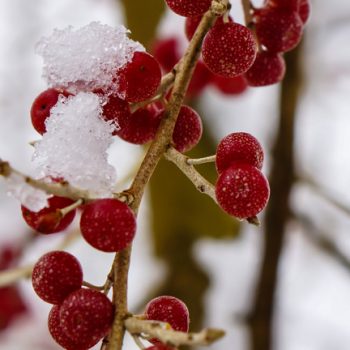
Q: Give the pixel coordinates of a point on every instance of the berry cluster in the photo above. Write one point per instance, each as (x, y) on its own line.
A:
(241, 189)
(80, 317)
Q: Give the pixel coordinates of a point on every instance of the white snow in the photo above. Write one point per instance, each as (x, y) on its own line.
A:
(86, 58)
(75, 145)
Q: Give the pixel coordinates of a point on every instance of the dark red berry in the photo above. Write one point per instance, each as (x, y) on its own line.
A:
(188, 129)
(239, 147)
(160, 346)
(41, 108)
(229, 49)
(166, 51)
(242, 190)
(269, 68)
(108, 225)
(49, 219)
(55, 275)
(292, 5)
(189, 8)
(141, 126)
(169, 309)
(230, 86)
(61, 338)
(139, 79)
(304, 10)
(278, 29)
(200, 79)
(86, 313)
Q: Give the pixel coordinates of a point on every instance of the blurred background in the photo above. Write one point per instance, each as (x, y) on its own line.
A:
(284, 285)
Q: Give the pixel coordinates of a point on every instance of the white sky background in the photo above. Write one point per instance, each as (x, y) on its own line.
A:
(313, 297)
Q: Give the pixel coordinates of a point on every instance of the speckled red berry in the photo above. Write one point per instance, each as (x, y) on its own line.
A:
(292, 5)
(49, 219)
(229, 49)
(139, 79)
(61, 338)
(242, 190)
(189, 8)
(304, 10)
(239, 147)
(86, 313)
(108, 225)
(188, 129)
(278, 29)
(269, 68)
(230, 86)
(55, 275)
(41, 108)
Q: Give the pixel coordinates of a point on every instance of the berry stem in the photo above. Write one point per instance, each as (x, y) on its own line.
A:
(75, 205)
(159, 330)
(138, 342)
(247, 10)
(11, 276)
(153, 155)
(198, 161)
(92, 286)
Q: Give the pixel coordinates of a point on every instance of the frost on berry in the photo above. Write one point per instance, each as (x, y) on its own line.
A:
(86, 314)
(269, 68)
(230, 86)
(188, 129)
(49, 219)
(41, 107)
(169, 309)
(108, 225)
(278, 29)
(87, 57)
(141, 126)
(189, 8)
(239, 147)
(229, 49)
(242, 190)
(139, 79)
(30, 197)
(55, 275)
(76, 143)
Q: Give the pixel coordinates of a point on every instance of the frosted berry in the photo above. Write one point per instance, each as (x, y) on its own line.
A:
(269, 68)
(229, 49)
(189, 8)
(139, 79)
(239, 147)
(230, 86)
(141, 126)
(41, 108)
(61, 338)
(55, 275)
(278, 29)
(166, 51)
(200, 79)
(115, 110)
(242, 190)
(169, 309)
(86, 313)
(108, 225)
(49, 219)
(304, 10)
(188, 129)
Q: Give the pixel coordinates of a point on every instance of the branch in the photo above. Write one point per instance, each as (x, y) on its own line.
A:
(161, 331)
(199, 161)
(11, 276)
(247, 10)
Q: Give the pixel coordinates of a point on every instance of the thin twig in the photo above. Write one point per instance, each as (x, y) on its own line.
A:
(8, 277)
(92, 286)
(159, 330)
(204, 160)
(247, 10)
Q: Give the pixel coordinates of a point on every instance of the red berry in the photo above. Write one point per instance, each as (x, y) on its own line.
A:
(160, 346)
(304, 10)
(61, 338)
(278, 29)
(166, 53)
(55, 275)
(200, 79)
(230, 86)
(269, 68)
(41, 108)
(239, 147)
(139, 79)
(108, 225)
(169, 309)
(49, 219)
(86, 313)
(115, 110)
(229, 49)
(242, 190)
(141, 126)
(189, 8)
(292, 5)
